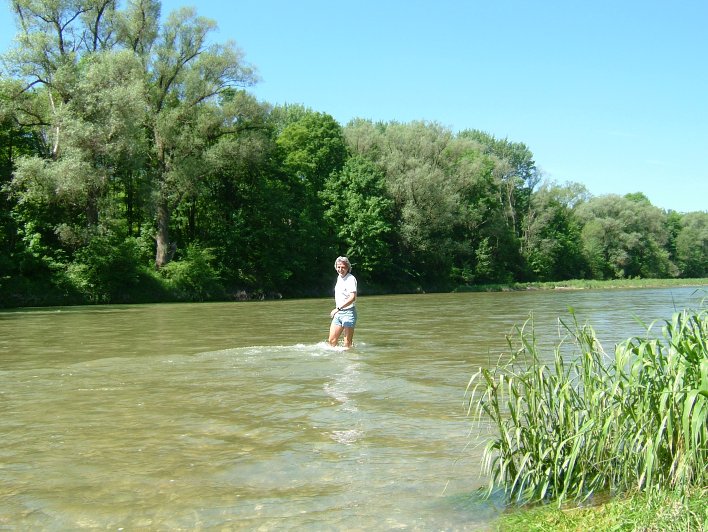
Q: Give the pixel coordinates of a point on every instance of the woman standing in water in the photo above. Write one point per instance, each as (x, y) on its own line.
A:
(344, 314)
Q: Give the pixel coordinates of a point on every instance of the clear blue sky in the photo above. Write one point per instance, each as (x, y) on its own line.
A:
(612, 94)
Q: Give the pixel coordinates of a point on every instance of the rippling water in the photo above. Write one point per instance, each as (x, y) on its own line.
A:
(238, 416)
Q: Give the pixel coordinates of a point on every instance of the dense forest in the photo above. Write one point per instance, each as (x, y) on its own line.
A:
(135, 166)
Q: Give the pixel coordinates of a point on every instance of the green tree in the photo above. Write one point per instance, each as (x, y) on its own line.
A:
(15, 142)
(362, 213)
(487, 246)
(516, 171)
(412, 159)
(624, 237)
(452, 194)
(86, 104)
(311, 147)
(100, 134)
(552, 241)
(243, 207)
(515, 176)
(126, 110)
(70, 93)
(673, 227)
(186, 75)
(692, 245)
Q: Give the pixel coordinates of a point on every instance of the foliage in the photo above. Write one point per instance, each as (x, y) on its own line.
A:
(185, 117)
(589, 422)
(450, 194)
(242, 208)
(312, 147)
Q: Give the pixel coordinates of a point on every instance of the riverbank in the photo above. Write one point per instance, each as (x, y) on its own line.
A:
(666, 511)
(584, 284)
(155, 291)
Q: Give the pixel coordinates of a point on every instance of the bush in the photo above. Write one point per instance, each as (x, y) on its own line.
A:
(194, 278)
(108, 270)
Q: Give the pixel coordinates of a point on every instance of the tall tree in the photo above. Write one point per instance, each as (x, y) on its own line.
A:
(487, 246)
(516, 171)
(503, 180)
(15, 143)
(186, 76)
(412, 159)
(177, 87)
(452, 194)
(241, 209)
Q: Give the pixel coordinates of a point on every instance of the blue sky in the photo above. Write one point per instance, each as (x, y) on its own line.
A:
(612, 94)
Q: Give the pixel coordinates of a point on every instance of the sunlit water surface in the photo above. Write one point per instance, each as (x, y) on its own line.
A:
(238, 416)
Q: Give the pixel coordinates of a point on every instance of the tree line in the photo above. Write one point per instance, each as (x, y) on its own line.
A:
(135, 166)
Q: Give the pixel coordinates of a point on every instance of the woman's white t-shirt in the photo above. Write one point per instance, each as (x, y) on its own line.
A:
(345, 287)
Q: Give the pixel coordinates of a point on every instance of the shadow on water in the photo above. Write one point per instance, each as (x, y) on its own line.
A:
(240, 416)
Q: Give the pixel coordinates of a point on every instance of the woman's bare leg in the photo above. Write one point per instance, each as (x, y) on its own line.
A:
(348, 336)
(335, 331)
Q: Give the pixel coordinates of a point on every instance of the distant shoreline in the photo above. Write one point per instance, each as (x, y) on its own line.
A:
(35, 301)
(585, 285)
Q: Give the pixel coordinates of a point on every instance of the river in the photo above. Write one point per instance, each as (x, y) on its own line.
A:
(221, 416)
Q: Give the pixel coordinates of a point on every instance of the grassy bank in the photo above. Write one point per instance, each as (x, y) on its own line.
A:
(661, 512)
(632, 423)
(585, 284)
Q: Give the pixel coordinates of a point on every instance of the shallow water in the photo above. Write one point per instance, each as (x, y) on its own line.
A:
(238, 416)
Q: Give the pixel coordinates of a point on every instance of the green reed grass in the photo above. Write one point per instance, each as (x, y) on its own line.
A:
(587, 422)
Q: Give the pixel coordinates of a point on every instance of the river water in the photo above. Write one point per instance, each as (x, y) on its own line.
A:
(237, 415)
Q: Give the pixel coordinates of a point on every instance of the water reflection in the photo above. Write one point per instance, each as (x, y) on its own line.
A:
(206, 416)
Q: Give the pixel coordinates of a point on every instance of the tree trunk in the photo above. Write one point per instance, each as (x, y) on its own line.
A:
(129, 200)
(92, 210)
(164, 252)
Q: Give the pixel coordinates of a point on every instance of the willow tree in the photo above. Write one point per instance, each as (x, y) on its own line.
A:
(692, 245)
(425, 201)
(515, 177)
(185, 76)
(459, 199)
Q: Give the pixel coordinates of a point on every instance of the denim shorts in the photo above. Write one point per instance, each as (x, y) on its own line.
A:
(345, 318)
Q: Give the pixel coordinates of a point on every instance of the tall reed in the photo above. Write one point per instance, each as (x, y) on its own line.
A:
(586, 422)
